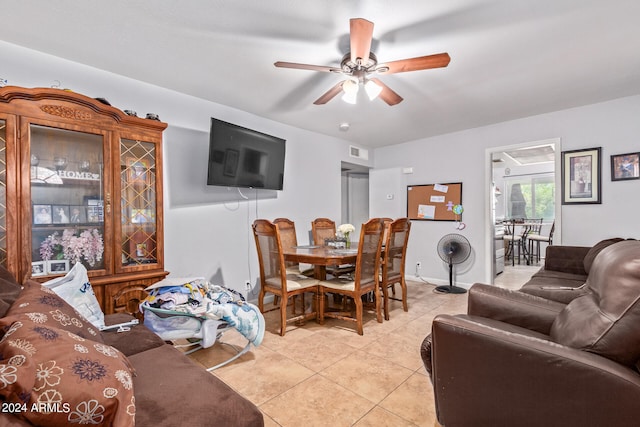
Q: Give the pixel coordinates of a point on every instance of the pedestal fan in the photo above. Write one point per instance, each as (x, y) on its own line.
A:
(453, 249)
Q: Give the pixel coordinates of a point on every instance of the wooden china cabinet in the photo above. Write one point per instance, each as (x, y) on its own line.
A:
(80, 181)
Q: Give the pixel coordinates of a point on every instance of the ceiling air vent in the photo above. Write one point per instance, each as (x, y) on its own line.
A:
(359, 153)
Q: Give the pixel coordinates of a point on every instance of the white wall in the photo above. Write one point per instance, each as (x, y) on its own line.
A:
(460, 156)
(212, 240)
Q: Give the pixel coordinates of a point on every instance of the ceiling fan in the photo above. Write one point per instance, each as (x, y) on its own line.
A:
(360, 63)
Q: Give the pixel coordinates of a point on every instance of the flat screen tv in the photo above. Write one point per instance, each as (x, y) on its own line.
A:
(241, 157)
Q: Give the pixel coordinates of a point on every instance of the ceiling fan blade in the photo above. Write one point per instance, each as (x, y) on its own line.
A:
(297, 66)
(361, 32)
(387, 94)
(330, 94)
(414, 64)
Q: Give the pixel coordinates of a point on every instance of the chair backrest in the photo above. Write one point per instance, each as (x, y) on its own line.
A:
(536, 228)
(270, 257)
(386, 221)
(553, 229)
(369, 248)
(322, 229)
(288, 238)
(395, 249)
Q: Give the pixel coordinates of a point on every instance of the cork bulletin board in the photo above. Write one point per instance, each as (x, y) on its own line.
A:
(434, 202)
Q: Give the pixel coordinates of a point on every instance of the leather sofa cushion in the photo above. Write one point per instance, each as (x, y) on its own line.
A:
(605, 321)
(596, 249)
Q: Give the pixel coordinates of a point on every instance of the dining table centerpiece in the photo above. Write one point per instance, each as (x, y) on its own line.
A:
(345, 230)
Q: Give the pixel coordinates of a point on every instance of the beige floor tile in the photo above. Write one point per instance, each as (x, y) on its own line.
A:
(269, 375)
(399, 348)
(413, 401)
(317, 351)
(328, 375)
(379, 417)
(368, 375)
(317, 402)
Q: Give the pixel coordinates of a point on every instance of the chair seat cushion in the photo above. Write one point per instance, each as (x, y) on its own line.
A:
(538, 237)
(512, 237)
(345, 284)
(339, 284)
(294, 281)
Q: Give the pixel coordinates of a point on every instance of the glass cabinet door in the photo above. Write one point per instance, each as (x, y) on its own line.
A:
(67, 193)
(138, 203)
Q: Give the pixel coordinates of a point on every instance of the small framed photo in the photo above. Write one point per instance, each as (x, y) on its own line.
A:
(581, 180)
(60, 214)
(137, 170)
(38, 268)
(57, 266)
(42, 214)
(77, 214)
(625, 166)
(95, 209)
(95, 214)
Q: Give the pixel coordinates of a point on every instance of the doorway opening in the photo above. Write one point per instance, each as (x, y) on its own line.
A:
(523, 183)
(355, 195)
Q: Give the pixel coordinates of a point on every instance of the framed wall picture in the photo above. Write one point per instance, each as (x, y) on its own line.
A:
(581, 176)
(42, 214)
(625, 166)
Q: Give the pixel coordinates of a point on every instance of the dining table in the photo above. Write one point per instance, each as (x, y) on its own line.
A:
(320, 257)
(525, 228)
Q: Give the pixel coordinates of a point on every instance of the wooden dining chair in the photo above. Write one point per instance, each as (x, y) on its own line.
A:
(289, 239)
(367, 278)
(322, 229)
(393, 262)
(325, 228)
(273, 273)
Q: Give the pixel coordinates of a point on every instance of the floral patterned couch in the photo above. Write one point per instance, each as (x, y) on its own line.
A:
(56, 369)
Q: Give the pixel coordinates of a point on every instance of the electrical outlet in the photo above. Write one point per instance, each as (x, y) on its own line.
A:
(418, 265)
(247, 285)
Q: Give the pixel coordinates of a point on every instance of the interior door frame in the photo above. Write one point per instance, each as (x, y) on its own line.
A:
(489, 238)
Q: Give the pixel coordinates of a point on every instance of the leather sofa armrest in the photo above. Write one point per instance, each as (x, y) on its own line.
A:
(513, 307)
(568, 259)
(508, 376)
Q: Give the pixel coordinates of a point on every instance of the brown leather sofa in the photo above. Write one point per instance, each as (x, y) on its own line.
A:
(565, 271)
(517, 359)
(169, 389)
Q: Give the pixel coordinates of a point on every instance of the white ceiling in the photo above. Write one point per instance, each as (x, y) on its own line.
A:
(509, 58)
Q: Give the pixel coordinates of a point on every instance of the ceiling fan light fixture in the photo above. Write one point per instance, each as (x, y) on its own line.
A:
(350, 89)
(350, 98)
(372, 89)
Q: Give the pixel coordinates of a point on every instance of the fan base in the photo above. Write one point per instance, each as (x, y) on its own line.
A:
(450, 289)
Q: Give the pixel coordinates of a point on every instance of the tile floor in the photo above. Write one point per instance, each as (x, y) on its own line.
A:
(330, 376)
